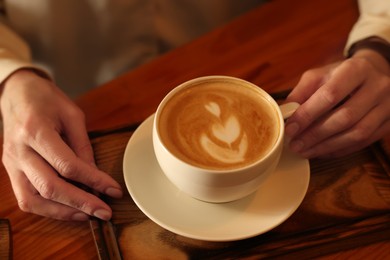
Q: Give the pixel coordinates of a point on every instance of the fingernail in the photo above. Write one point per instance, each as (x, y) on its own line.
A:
(292, 129)
(80, 216)
(102, 214)
(297, 146)
(114, 192)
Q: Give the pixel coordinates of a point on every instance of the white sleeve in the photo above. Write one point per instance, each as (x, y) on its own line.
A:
(14, 53)
(374, 20)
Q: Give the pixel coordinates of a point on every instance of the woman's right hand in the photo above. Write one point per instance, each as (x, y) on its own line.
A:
(46, 150)
(344, 106)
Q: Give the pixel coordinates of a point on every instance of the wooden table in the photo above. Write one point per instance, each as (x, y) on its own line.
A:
(270, 46)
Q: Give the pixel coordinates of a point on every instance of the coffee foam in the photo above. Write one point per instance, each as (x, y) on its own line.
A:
(218, 125)
(228, 132)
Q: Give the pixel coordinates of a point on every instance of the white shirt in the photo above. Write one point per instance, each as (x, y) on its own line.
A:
(374, 20)
(84, 43)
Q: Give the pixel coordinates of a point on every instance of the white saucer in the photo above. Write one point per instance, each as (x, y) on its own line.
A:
(177, 212)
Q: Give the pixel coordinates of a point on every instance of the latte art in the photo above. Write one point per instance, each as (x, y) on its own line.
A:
(228, 132)
(218, 125)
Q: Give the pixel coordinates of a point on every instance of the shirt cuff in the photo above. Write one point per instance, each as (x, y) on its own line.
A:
(9, 64)
(376, 44)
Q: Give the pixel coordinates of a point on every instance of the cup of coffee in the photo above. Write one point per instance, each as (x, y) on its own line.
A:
(217, 138)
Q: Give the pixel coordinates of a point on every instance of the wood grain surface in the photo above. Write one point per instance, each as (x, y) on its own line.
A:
(345, 213)
(5, 239)
(347, 205)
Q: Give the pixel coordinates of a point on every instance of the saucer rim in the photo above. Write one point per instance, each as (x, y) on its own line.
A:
(146, 125)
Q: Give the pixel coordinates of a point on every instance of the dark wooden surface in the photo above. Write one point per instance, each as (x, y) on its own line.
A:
(347, 206)
(5, 239)
(346, 211)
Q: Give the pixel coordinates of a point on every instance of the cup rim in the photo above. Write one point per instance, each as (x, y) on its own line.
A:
(201, 79)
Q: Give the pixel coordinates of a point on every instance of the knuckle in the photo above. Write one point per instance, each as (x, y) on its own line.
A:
(9, 154)
(82, 205)
(76, 112)
(361, 134)
(356, 64)
(330, 96)
(386, 84)
(303, 115)
(24, 205)
(32, 132)
(96, 183)
(309, 75)
(84, 147)
(13, 152)
(65, 168)
(383, 86)
(347, 117)
(27, 129)
(46, 190)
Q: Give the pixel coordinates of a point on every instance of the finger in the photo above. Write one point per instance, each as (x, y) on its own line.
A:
(370, 129)
(53, 149)
(353, 148)
(309, 83)
(75, 135)
(30, 201)
(340, 119)
(51, 209)
(339, 86)
(52, 188)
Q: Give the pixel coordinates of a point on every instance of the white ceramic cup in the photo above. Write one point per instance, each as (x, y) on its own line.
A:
(220, 185)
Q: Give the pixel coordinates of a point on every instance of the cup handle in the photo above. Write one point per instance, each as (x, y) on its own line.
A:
(288, 109)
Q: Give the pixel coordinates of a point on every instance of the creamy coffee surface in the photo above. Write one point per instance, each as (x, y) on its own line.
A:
(218, 125)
